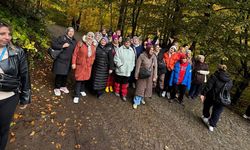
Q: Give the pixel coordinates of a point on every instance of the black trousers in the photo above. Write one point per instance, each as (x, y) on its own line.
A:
(216, 111)
(181, 89)
(60, 81)
(80, 87)
(7, 109)
(166, 81)
(248, 111)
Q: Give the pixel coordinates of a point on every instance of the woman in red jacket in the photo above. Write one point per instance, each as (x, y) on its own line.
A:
(82, 61)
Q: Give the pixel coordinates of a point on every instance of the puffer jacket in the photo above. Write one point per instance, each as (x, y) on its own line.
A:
(16, 75)
(102, 64)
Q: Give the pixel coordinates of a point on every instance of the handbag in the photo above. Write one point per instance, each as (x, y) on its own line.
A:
(54, 53)
(145, 73)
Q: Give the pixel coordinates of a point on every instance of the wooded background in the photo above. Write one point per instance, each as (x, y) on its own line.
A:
(219, 29)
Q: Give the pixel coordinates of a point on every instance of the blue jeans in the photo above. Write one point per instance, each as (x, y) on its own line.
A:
(137, 100)
(195, 90)
(216, 111)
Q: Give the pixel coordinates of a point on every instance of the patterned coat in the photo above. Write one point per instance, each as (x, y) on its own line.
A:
(144, 87)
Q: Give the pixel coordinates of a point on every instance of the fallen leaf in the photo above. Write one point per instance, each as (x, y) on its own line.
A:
(32, 133)
(58, 146)
(77, 146)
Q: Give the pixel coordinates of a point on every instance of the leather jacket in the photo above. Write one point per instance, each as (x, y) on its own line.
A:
(16, 74)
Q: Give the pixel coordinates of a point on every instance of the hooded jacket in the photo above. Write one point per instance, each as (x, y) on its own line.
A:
(215, 83)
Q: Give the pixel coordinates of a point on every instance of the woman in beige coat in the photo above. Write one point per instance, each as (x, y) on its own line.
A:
(144, 87)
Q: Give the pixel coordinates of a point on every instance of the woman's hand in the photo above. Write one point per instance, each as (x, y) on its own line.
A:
(154, 79)
(202, 97)
(110, 71)
(73, 66)
(65, 45)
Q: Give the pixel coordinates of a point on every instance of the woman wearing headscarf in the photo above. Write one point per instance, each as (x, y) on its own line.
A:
(144, 87)
(14, 81)
(82, 61)
(62, 64)
(103, 66)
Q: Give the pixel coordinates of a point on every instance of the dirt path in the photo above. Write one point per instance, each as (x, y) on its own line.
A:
(110, 124)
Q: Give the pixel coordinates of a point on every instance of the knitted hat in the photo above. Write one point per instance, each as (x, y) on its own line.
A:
(115, 37)
(105, 38)
(173, 47)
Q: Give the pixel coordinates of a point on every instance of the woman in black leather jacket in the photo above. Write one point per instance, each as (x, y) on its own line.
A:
(14, 81)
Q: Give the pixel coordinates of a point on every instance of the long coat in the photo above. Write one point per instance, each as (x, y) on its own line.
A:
(82, 61)
(144, 87)
(102, 64)
(62, 64)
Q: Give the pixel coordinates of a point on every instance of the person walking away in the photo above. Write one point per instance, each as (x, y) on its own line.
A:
(82, 61)
(200, 72)
(181, 78)
(15, 84)
(210, 96)
(103, 67)
(144, 87)
(124, 60)
(62, 64)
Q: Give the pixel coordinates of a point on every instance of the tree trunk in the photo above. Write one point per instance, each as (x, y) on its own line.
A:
(122, 15)
(135, 15)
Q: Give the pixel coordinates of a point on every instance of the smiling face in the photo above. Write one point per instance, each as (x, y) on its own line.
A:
(5, 36)
(103, 42)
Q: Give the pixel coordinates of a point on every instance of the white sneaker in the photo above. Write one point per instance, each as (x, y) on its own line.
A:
(210, 128)
(168, 95)
(163, 94)
(76, 100)
(83, 94)
(143, 102)
(246, 117)
(57, 92)
(64, 89)
(134, 106)
(205, 120)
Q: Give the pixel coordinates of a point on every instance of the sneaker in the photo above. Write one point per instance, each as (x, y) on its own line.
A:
(205, 120)
(246, 117)
(143, 102)
(64, 89)
(168, 95)
(111, 89)
(83, 94)
(134, 106)
(57, 92)
(117, 94)
(76, 100)
(107, 89)
(210, 128)
(124, 98)
(163, 94)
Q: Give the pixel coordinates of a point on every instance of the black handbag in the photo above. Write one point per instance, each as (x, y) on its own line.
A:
(145, 73)
(54, 53)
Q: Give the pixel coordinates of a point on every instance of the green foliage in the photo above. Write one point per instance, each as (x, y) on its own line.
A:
(28, 34)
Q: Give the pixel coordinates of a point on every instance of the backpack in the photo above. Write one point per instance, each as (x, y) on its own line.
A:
(224, 94)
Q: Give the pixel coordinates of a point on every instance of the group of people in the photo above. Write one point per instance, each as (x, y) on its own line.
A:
(111, 63)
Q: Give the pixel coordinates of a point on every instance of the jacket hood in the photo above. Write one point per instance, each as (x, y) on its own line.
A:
(222, 75)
